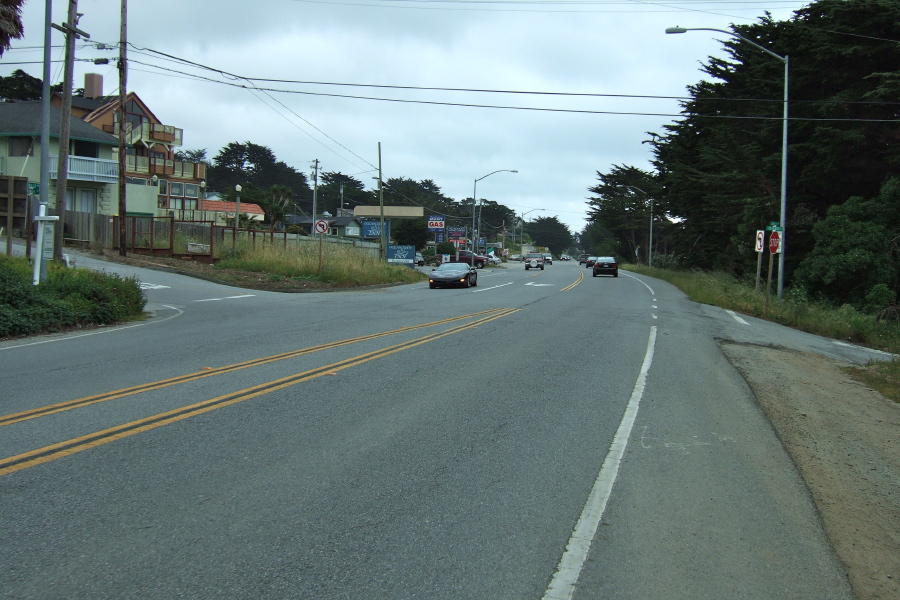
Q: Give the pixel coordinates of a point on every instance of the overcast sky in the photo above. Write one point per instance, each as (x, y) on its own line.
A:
(614, 47)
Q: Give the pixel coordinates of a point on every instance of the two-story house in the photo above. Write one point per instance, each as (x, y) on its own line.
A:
(150, 146)
(92, 169)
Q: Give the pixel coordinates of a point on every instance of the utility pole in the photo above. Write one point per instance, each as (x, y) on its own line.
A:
(315, 190)
(123, 130)
(381, 203)
(72, 33)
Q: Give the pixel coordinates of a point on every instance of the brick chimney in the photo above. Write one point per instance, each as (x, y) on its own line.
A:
(93, 85)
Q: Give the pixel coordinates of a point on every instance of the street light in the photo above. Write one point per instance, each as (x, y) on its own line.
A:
(237, 209)
(522, 229)
(474, 196)
(784, 135)
(650, 244)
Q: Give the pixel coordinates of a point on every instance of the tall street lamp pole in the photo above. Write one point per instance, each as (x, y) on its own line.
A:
(522, 229)
(784, 134)
(474, 188)
(237, 209)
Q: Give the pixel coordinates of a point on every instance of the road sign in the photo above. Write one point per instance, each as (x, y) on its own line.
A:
(760, 240)
(34, 188)
(435, 223)
(775, 243)
(401, 254)
(321, 226)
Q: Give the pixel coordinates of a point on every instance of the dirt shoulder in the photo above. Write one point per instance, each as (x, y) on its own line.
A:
(845, 440)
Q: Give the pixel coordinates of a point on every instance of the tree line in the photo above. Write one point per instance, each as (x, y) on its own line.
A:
(716, 173)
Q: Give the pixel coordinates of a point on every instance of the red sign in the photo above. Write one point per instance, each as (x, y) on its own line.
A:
(775, 243)
(321, 226)
(760, 238)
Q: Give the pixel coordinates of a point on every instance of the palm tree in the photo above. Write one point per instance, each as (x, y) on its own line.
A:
(10, 23)
(275, 204)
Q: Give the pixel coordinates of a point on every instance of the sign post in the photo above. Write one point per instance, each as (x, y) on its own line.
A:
(760, 244)
(774, 248)
(44, 244)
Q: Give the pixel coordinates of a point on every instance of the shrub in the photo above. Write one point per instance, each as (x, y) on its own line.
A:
(69, 298)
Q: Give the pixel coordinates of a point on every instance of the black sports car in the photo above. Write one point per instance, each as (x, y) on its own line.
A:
(453, 274)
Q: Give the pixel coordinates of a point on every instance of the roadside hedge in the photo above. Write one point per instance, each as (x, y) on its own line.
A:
(70, 298)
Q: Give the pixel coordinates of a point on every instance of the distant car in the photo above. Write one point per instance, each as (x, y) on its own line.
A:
(582, 258)
(534, 260)
(420, 260)
(495, 260)
(453, 274)
(589, 261)
(548, 258)
(516, 257)
(606, 265)
(565, 257)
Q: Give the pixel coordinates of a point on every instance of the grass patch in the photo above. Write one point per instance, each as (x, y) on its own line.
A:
(70, 298)
(340, 265)
(841, 323)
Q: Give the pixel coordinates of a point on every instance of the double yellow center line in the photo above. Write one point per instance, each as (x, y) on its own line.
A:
(79, 444)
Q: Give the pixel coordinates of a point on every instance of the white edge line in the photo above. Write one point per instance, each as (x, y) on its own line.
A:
(638, 279)
(562, 586)
(737, 317)
(855, 347)
(65, 337)
(226, 298)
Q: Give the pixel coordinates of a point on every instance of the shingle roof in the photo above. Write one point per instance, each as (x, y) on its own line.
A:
(24, 119)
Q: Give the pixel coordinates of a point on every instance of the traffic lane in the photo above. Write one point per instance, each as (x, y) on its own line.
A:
(366, 484)
(64, 414)
(707, 503)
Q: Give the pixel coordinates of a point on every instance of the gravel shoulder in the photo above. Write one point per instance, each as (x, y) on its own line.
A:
(845, 440)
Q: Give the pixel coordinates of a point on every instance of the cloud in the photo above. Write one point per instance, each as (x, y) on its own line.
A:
(600, 48)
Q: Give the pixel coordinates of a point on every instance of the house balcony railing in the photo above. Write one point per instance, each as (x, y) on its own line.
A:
(87, 169)
(143, 165)
(149, 134)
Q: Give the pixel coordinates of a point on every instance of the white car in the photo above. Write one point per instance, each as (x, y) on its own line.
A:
(495, 260)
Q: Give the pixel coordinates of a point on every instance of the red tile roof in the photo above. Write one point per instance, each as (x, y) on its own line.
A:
(226, 207)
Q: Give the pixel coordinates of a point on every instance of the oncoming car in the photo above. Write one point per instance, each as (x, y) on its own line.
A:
(453, 274)
(606, 265)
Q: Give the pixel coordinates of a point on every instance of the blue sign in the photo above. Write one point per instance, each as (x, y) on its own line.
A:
(439, 238)
(372, 229)
(402, 255)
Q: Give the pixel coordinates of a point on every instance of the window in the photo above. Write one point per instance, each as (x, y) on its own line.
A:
(21, 146)
(86, 149)
(177, 189)
(191, 190)
(81, 200)
(163, 187)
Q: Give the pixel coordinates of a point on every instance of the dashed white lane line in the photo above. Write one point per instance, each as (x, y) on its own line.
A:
(226, 298)
(737, 317)
(492, 288)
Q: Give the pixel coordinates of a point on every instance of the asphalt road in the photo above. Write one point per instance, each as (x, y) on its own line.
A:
(545, 434)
